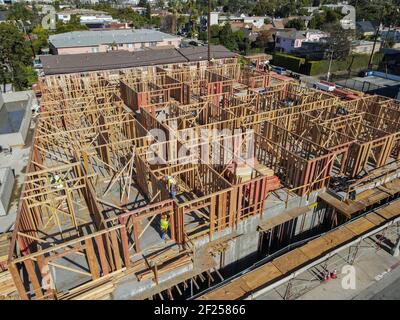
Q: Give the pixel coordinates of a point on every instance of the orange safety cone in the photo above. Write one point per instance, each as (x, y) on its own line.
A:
(334, 274)
(326, 276)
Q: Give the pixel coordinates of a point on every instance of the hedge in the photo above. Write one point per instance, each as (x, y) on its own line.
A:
(288, 61)
(354, 62)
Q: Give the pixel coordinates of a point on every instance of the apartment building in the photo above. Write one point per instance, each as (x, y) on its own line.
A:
(110, 40)
(290, 40)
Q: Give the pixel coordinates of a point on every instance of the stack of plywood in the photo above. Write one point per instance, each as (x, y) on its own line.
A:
(243, 171)
(7, 287)
(4, 245)
(263, 169)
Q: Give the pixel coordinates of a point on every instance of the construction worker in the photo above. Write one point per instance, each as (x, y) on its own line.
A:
(164, 226)
(56, 181)
(171, 186)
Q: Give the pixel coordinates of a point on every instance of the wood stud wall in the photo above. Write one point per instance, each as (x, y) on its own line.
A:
(85, 135)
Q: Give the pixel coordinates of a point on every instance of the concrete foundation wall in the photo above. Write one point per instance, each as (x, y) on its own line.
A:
(7, 180)
(14, 102)
(244, 248)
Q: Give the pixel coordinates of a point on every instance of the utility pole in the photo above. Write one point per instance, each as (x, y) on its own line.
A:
(328, 75)
(384, 11)
(209, 31)
(373, 47)
(29, 37)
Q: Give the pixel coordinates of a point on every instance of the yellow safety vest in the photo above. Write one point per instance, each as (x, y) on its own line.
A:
(170, 181)
(56, 181)
(164, 224)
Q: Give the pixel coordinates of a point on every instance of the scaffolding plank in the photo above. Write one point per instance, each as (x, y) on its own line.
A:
(360, 226)
(281, 218)
(235, 291)
(342, 207)
(338, 237)
(315, 248)
(290, 261)
(390, 211)
(375, 219)
(261, 276)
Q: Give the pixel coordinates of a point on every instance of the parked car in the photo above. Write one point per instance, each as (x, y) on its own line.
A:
(325, 86)
(279, 70)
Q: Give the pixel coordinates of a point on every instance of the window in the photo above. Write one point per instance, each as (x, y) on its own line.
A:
(120, 45)
(95, 49)
(153, 44)
(143, 44)
(130, 45)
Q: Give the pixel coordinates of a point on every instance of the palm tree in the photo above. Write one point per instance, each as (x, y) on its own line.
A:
(174, 6)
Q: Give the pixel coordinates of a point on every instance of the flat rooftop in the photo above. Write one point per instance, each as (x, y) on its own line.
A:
(76, 63)
(368, 83)
(95, 38)
(378, 81)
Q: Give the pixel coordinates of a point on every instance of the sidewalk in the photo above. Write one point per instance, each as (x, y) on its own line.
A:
(377, 276)
(372, 276)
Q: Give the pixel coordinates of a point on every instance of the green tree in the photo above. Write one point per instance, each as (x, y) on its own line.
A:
(264, 38)
(327, 16)
(15, 57)
(287, 9)
(375, 10)
(142, 3)
(73, 25)
(298, 24)
(181, 22)
(168, 24)
(41, 37)
(160, 4)
(148, 11)
(227, 38)
(264, 7)
(338, 40)
(193, 16)
(18, 11)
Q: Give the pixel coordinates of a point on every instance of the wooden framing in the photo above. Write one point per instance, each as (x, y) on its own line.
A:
(112, 190)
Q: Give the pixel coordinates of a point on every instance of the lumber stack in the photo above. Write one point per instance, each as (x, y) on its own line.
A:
(181, 260)
(164, 255)
(273, 183)
(220, 245)
(4, 245)
(218, 248)
(99, 289)
(155, 257)
(143, 268)
(101, 292)
(243, 172)
(8, 291)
